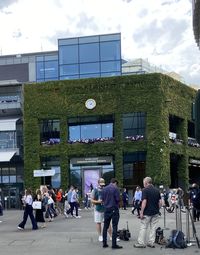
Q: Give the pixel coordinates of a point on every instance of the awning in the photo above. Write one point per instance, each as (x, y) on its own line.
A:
(8, 124)
(6, 156)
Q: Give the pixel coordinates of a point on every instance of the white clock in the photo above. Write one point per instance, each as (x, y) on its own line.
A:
(90, 104)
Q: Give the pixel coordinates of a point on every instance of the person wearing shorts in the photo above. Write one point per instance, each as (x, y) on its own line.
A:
(99, 208)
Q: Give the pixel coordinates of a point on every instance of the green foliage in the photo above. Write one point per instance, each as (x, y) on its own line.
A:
(156, 94)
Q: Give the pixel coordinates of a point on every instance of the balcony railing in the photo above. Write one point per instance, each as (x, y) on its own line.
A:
(174, 138)
(193, 142)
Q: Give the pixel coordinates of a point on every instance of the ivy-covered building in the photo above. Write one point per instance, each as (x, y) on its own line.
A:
(123, 126)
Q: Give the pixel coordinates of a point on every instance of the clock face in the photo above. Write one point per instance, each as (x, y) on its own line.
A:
(90, 104)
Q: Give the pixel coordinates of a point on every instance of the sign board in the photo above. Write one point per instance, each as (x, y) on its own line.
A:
(43, 173)
(92, 160)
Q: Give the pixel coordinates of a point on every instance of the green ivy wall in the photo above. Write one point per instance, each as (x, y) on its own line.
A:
(156, 94)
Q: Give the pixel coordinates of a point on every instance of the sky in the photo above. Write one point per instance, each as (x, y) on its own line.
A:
(159, 31)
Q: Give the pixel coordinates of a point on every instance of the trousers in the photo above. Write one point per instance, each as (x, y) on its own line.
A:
(111, 214)
(151, 222)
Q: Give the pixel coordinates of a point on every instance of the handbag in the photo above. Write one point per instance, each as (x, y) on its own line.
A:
(37, 205)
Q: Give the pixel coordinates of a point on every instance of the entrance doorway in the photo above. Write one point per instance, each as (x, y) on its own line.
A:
(10, 197)
(90, 179)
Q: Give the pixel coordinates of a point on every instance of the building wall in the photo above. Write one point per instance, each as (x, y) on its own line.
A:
(17, 72)
(155, 94)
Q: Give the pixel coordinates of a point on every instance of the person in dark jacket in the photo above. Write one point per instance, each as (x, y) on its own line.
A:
(125, 198)
(149, 214)
(110, 199)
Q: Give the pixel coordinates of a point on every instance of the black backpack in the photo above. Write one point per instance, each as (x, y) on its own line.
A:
(124, 234)
(160, 236)
(176, 240)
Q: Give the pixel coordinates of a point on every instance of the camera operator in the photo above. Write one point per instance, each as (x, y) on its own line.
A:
(194, 190)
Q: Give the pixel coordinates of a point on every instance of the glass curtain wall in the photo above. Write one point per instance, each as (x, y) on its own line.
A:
(46, 68)
(49, 132)
(91, 56)
(95, 128)
(134, 125)
(134, 168)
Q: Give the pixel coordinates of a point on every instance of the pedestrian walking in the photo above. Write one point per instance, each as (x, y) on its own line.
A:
(137, 199)
(149, 214)
(124, 199)
(28, 211)
(39, 213)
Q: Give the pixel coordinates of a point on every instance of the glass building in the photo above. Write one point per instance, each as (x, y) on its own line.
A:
(81, 57)
(91, 56)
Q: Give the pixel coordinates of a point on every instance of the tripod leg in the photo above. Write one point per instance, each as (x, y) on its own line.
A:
(194, 229)
(187, 227)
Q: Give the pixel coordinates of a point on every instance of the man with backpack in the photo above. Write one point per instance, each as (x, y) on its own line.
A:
(149, 214)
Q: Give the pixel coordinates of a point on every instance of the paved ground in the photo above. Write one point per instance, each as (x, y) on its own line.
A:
(78, 236)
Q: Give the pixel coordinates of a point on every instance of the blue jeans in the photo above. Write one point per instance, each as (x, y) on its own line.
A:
(111, 214)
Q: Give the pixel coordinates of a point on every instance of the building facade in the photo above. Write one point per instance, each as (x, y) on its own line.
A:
(81, 129)
(80, 57)
(123, 126)
(11, 143)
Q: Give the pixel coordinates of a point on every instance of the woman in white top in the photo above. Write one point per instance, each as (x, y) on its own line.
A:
(28, 211)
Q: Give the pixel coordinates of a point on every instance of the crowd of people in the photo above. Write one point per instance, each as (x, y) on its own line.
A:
(53, 202)
(106, 201)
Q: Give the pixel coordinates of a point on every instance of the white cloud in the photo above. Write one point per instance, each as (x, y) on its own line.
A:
(160, 31)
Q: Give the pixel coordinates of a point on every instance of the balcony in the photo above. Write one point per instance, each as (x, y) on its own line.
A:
(10, 102)
(192, 142)
(10, 106)
(174, 138)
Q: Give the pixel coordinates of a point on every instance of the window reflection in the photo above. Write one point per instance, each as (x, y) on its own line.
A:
(47, 68)
(90, 131)
(89, 52)
(89, 68)
(50, 132)
(110, 51)
(68, 54)
(69, 70)
(85, 54)
(7, 139)
(110, 66)
(134, 168)
(134, 124)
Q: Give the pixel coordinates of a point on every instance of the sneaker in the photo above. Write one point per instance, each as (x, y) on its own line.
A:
(139, 245)
(151, 245)
(20, 228)
(100, 238)
(77, 217)
(66, 215)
